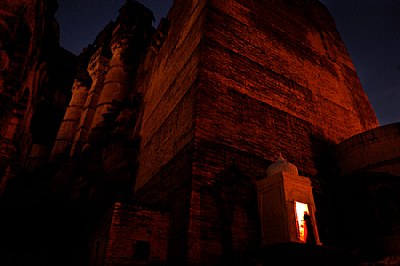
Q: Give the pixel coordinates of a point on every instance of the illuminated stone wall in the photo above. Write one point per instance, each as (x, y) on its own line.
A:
(187, 118)
(235, 83)
(121, 232)
(270, 84)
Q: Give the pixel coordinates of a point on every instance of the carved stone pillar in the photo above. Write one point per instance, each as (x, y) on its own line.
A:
(115, 88)
(97, 69)
(71, 120)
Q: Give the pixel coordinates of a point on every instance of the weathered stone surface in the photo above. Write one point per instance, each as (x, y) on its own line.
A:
(169, 92)
(117, 237)
(276, 64)
(71, 119)
(187, 118)
(249, 85)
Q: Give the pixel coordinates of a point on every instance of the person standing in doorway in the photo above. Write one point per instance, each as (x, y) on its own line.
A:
(309, 229)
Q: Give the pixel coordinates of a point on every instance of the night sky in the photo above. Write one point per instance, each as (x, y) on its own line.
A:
(369, 28)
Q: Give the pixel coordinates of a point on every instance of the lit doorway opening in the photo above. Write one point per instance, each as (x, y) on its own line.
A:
(301, 208)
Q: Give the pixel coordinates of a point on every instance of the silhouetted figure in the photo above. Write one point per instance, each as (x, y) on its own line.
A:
(309, 229)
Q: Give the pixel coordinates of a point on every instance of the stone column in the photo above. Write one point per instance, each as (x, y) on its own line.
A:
(97, 70)
(115, 88)
(71, 120)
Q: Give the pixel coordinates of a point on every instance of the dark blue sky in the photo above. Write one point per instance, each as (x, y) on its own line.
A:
(369, 28)
(371, 32)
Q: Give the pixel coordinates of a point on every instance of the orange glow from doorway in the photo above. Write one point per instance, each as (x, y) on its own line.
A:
(300, 224)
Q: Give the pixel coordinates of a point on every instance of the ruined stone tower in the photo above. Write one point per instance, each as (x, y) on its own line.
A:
(235, 83)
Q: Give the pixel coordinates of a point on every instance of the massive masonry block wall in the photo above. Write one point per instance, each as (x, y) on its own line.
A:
(167, 125)
(235, 83)
(169, 90)
(274, 74)
(171, 188)
(129, 227)
(274, 77)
